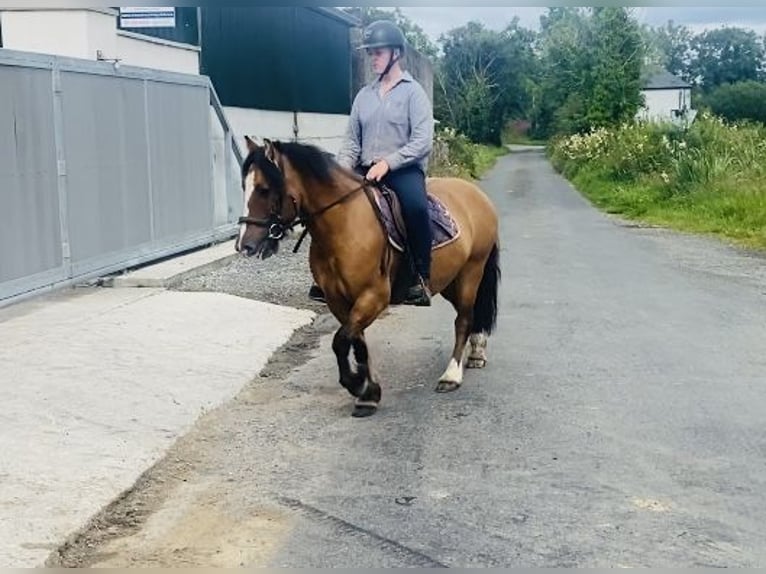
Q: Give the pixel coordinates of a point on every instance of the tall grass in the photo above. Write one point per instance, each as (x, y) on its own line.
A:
(709, 177)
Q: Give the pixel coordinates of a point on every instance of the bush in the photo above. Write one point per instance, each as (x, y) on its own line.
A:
(709, 177)
(739, 101)
(456, 155)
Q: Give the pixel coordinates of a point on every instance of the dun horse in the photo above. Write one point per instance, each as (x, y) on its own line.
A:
(357, 260)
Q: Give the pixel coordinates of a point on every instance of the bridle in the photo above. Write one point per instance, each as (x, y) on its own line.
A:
(278, 226)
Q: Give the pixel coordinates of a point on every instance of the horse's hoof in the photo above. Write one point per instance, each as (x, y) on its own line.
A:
(447, 386)
(475, 363)
(362, 411)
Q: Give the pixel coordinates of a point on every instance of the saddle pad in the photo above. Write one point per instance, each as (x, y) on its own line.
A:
(444, 228)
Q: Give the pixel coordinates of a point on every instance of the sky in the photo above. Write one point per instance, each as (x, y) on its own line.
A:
(435, 21)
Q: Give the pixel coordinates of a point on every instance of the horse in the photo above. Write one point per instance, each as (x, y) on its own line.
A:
(354, 261)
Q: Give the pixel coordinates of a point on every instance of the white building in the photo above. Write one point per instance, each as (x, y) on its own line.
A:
(90, 34)
(666, 98)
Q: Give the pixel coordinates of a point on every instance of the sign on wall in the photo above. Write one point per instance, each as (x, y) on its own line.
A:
(147, 17)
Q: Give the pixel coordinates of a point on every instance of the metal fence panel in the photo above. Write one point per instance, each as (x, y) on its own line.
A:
(180, 143)
(30, 241)
(106, 164)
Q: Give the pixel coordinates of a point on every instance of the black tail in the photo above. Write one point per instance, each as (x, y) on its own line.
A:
(485, 307)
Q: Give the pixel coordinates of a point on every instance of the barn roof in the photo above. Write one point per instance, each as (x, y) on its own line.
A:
(664, 80)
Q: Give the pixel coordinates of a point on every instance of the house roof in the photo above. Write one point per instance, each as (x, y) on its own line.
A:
(664, 80)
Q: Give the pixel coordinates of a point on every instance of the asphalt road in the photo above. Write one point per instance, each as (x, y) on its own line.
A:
(620, 422)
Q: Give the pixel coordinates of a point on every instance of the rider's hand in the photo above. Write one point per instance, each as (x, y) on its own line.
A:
(378, 171)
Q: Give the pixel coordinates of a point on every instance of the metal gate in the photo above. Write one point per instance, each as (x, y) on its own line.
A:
(104, 168)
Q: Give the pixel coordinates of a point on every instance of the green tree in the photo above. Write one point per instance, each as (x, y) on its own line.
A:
(670, 47)
(618, 54)
(726, 56)
(483, 79)
(563, 72)
(591, 62)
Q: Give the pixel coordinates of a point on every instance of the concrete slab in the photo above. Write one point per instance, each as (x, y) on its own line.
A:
(170, 271)
(96, 385)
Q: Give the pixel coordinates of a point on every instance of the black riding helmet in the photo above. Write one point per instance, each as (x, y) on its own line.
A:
(384, 34)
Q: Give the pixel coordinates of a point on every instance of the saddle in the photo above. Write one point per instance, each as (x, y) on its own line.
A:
(444, 228)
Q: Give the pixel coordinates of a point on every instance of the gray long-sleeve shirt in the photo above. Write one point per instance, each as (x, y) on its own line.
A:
(397, 127)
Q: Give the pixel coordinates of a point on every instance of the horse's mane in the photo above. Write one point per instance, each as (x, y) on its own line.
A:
(308, 160)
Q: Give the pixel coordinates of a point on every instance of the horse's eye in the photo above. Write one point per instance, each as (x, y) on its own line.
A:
(262, 191)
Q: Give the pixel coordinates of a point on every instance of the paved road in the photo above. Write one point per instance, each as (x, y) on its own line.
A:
(620, 422)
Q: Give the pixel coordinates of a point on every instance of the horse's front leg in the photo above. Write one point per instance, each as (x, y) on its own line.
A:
(351, 336)
(358, 383)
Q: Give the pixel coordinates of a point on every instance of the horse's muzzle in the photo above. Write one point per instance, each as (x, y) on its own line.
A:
(264, 248)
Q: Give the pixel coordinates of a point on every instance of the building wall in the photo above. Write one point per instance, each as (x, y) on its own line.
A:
(85, 33)
(280, 58)
(159, 54)
(60, 32)
(324, 130)
(660, 103)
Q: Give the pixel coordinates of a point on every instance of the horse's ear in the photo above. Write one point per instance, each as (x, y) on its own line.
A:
(251, 145)
(271, 151)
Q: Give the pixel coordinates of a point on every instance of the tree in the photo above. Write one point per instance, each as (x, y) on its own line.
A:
(671, 47)
(483, 78)
(726, 56)
(563, 71)
(615, 90)
(591, 62)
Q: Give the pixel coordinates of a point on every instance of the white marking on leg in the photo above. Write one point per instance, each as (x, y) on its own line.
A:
(478, 355)
(249, 187)
(454, 372)
(478, 345)
(365, 386)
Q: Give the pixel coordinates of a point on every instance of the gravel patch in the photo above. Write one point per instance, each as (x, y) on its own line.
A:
(283, 279)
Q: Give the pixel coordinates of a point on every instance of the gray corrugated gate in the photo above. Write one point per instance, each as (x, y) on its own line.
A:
(102, 169)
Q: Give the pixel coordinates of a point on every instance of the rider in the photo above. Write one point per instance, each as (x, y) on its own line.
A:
(389, 139)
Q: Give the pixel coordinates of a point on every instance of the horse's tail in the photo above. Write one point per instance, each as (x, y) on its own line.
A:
(485, 306)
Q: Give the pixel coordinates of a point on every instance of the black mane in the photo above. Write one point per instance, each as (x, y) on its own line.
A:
(308, 160)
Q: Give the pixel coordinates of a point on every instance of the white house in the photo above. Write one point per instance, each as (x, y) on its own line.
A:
(667, 98)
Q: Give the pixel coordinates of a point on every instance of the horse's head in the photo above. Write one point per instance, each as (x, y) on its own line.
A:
(275, 180)
(269, 206)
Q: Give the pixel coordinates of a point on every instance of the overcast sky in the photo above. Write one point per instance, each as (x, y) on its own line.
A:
(435, 21)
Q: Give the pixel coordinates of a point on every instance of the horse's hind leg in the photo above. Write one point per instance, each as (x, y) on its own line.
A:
(477, 355)
(461, 294)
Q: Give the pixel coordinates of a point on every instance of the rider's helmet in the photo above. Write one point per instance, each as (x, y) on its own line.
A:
(383, 34)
